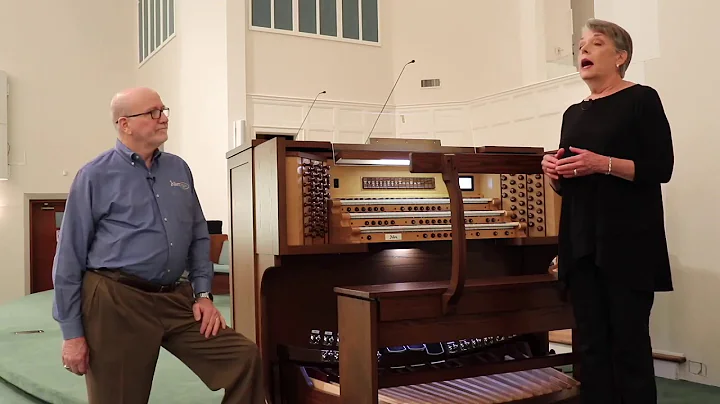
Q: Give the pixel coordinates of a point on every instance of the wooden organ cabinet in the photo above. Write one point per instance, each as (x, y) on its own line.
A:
(398, 273)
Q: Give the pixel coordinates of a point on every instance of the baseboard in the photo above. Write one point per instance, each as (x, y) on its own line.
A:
(667, 370)
(667, 364)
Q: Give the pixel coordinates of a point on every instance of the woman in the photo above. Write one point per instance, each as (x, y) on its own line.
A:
(615, 152)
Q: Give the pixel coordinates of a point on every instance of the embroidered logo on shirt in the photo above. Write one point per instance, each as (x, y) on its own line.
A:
(182, 185)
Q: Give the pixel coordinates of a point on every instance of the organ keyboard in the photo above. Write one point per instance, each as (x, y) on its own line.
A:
(349, 269)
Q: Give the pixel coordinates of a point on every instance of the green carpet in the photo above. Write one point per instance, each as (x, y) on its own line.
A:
(683, 392)
(32, 361)
(10, 394)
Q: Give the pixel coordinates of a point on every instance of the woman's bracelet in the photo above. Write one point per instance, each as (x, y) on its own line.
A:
(609, 166)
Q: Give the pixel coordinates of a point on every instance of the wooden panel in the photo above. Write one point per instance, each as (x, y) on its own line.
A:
(430, 143)
(216, 243)
(267, 198)
(43, 242)
(307, 281)
(478, 163)
(455, 137)
(294, 201)
(510, 149)
(242, 270)
(476, 326)
(358, 367)
(553, 204)
(402, 147)
(472, 302)
(449, 120)
(278, 114)
(221, 286)
(403, 289)
(349, 184)
(561, 337)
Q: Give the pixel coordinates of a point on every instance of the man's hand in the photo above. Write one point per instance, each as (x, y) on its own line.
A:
(212, 320)
(75, 355)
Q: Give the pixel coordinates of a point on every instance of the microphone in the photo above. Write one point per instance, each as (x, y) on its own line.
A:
(388, 99)
(308, 113)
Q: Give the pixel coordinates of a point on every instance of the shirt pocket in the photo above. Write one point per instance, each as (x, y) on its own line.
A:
(183, 201)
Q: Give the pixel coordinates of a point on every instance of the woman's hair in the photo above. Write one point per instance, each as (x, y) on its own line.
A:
(620, 38)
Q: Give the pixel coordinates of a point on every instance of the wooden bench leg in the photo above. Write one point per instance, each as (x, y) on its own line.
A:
(357, 320)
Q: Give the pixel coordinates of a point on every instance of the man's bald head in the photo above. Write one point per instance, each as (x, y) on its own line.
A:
(131, 101)
(140, 118)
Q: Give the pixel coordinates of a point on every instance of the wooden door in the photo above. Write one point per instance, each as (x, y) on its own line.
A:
(45, 219)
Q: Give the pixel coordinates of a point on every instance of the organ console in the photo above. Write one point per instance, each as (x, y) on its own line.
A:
(388, 273)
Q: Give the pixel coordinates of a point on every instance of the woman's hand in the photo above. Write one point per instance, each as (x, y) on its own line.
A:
(584, 162)
(549, 164)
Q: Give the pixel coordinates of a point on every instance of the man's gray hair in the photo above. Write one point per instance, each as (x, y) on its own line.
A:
(620, 38)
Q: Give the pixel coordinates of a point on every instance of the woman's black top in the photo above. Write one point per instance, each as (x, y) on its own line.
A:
(619, 222)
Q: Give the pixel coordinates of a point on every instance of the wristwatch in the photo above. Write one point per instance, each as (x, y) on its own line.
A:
(206, 295)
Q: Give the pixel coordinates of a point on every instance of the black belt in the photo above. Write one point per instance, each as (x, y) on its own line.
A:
(134, 281)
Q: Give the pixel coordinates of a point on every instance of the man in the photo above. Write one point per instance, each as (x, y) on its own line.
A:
(133, 224)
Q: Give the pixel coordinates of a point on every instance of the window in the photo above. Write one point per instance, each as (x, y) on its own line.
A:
(356, 20)
(156, 26)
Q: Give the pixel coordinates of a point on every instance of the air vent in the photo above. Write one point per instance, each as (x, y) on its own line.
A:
(430, 83)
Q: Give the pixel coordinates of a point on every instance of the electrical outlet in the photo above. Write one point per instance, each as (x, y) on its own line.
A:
(697, 368)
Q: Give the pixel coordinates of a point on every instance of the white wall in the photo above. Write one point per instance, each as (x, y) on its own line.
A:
(472, 46)
(191, 75)
(558, 30)
(64, 61)
(285, 72)
(666, 35)
(494, 61)
(524, 116)
(280, 64)
(236, 70)
(475, 48)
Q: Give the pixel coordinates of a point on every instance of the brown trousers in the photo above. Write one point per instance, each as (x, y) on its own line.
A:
(125, 328)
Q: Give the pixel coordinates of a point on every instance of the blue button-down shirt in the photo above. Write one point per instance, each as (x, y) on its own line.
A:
(121, 215)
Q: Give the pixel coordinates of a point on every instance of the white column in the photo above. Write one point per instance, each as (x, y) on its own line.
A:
(640, 19)
(532, 40)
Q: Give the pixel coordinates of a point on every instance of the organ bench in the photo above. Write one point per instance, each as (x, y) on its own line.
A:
(398, 273)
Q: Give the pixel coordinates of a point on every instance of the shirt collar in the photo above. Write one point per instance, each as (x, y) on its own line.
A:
(130, 155)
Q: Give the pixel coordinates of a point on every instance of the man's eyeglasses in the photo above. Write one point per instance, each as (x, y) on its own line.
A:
(154, 114)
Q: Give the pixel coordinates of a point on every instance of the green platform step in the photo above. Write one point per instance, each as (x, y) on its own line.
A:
(31, 372)
(32, 361)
